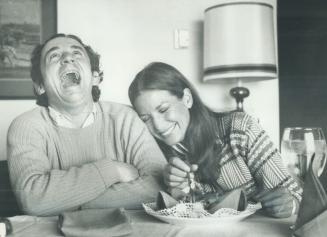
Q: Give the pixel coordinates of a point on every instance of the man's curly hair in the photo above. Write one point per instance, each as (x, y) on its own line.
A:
(37, 77)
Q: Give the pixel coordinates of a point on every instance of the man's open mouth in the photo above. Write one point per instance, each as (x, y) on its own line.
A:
(70, 78)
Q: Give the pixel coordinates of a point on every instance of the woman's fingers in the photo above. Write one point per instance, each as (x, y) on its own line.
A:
(272, 194)
(179, 164)
(174, 184)
(173, 176)
(194, 167)
(172, 170)
(182, 186)
(277, 214)
(175, 172)
(280, 211)
(277, 203)
(178, 172)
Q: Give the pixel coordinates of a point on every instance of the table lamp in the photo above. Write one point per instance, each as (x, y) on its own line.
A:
(239, 45)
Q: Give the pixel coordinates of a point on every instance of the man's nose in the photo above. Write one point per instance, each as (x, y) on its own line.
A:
(67, 58)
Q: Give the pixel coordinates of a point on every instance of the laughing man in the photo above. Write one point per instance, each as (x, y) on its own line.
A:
(72, 151)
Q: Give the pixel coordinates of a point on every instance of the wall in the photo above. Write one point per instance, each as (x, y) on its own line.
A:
(303, 55)
(131, 33)
(9, 110)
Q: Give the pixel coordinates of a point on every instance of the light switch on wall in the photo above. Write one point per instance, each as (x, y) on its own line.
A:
(182, 39)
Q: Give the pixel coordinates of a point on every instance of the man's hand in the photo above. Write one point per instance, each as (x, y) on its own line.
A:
(126, 172)
(176, 171)
(277, 203)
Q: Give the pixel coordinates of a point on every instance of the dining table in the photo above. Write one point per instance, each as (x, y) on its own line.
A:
(144, 225)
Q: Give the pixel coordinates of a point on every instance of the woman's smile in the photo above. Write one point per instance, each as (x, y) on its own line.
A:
(168, 131)
(166, 116)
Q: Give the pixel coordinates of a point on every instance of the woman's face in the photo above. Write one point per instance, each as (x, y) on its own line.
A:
(166, 116)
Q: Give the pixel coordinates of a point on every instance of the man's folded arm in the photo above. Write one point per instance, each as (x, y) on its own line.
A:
(43, 190)
(143, 153)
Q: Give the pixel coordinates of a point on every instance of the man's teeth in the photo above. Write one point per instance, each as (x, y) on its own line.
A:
(71, 77)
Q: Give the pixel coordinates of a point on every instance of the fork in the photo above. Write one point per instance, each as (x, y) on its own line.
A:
(192, 186)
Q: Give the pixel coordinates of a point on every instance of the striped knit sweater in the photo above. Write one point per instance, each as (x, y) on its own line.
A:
(248, 159)
(54, 169)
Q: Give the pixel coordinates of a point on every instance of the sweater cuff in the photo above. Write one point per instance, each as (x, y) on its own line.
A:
(108, 172)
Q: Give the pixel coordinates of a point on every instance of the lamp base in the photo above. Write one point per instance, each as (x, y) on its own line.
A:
(239, 93)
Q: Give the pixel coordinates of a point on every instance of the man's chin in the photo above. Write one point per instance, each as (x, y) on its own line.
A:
(71, 87)
(74, 98)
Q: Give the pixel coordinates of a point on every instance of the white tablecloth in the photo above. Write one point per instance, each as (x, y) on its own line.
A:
(144, 225)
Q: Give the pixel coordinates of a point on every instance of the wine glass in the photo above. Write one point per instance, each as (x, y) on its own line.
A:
(298, 146)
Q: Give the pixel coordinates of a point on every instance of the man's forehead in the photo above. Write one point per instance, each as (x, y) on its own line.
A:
(61, 42)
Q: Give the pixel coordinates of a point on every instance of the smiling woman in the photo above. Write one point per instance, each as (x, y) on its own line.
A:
(224, 151)
(166, 115)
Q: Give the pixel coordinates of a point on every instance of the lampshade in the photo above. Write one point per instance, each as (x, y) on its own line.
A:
(239, 41)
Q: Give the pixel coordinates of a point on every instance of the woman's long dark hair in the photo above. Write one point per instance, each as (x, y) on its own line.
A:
(201, 135)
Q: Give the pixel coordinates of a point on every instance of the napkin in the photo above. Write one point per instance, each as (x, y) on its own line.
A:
(312, 217)
(235, 199)
(95, 223)
(164, 201)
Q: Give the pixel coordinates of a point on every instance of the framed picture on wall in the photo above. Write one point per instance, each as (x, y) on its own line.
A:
(23, 25)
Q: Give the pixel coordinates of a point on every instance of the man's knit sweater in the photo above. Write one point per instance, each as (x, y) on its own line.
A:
(53, 169)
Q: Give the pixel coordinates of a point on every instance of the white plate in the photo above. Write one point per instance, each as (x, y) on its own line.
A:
(207, 220)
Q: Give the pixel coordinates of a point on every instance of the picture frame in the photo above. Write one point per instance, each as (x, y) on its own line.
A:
(23, 25)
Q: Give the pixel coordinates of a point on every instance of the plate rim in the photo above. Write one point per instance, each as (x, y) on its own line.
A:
(184, 220)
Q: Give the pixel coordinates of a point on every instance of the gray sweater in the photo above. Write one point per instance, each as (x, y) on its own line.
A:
(54, 169)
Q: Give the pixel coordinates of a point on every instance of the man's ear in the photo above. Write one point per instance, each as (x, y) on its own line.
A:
(188, 98)
(39, 89)
(96, 78)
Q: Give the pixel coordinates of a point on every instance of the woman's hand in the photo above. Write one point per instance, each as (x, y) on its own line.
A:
(176, 173)
(277, 203)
